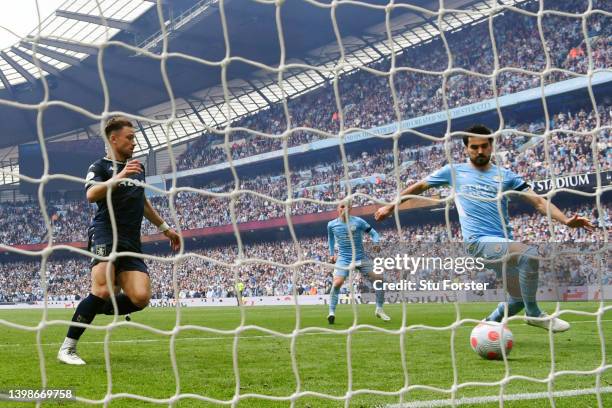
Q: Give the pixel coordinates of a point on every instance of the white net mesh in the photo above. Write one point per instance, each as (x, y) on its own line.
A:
(490, 83)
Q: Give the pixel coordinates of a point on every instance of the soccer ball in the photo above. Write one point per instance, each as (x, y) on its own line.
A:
(487, 339)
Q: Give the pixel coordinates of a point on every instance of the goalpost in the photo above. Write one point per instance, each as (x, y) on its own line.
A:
(442, 22)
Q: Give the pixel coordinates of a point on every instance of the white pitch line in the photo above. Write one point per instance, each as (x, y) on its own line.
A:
(167, 338)
(262, 336)
(495, 398)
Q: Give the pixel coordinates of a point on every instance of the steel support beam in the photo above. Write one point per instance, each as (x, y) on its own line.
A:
(195, 111)
(67, 45)
(151, 162)
(212, 117)
(372, 46)
(311, 62)
(144, 134)
(5, 81)
(220, 101)
(44, 65)
(22, 71)
(88, 18)
(66, 59)
(256, 88)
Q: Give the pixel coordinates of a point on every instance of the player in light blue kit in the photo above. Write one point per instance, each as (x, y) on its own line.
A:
(485, 233)
(337, 232)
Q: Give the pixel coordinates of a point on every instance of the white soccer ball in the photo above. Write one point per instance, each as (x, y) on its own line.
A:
(488, 338)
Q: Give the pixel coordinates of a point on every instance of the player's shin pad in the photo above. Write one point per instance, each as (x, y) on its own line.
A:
(528, 280)
(85, 312)
(333, 299)
(515, 305)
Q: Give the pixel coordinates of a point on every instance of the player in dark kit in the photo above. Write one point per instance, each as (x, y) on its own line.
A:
(129, 207)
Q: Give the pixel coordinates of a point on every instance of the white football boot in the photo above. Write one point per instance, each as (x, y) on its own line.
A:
(382, 315)
(68, 355)
(555, 324)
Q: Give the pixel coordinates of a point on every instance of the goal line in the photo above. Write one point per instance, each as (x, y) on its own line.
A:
(507, 397)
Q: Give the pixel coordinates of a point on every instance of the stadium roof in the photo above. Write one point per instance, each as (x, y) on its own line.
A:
(68, 53)
(208, 108)
(77, 21)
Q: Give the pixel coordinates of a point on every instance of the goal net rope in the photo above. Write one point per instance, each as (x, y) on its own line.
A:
(439, 25)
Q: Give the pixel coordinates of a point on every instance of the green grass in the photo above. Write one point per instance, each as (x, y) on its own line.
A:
(141, 361)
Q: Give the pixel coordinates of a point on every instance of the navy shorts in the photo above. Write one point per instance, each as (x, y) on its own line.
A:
(122, 263)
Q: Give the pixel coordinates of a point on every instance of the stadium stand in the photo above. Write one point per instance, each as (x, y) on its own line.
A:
(367, 103)
(367, 99)
(68, 279)
(570, 153)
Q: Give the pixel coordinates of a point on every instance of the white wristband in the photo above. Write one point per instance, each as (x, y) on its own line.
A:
(163, 227)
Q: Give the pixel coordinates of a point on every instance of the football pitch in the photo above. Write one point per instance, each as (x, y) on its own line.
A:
(141, 360)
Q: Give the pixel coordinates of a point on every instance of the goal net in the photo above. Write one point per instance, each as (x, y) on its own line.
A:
(355, 121)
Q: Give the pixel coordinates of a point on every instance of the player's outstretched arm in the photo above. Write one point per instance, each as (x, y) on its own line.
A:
(414, 189)
(156, 219)
(542, 205)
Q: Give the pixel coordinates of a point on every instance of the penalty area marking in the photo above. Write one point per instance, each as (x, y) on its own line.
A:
(495, 398)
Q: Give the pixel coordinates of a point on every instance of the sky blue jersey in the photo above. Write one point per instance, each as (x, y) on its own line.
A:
(478, 214)
(337, 231)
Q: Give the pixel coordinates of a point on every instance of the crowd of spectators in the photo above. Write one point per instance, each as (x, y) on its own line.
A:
(371, 173)
(367, 101)
(212, 272)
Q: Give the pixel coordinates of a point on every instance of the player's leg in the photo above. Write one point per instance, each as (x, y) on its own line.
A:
(527, 265)
(136, 295)
(340, 275)
(367, 269)
(108, 306)
(133, 278)
(522, 268)
(493, 249)
(515, 300)
(87, 310)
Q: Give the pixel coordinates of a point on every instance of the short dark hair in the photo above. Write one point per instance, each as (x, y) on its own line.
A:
(347, 203)
(479, 130)
(116, 123)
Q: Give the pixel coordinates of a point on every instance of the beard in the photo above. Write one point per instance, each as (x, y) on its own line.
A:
(480, 160)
